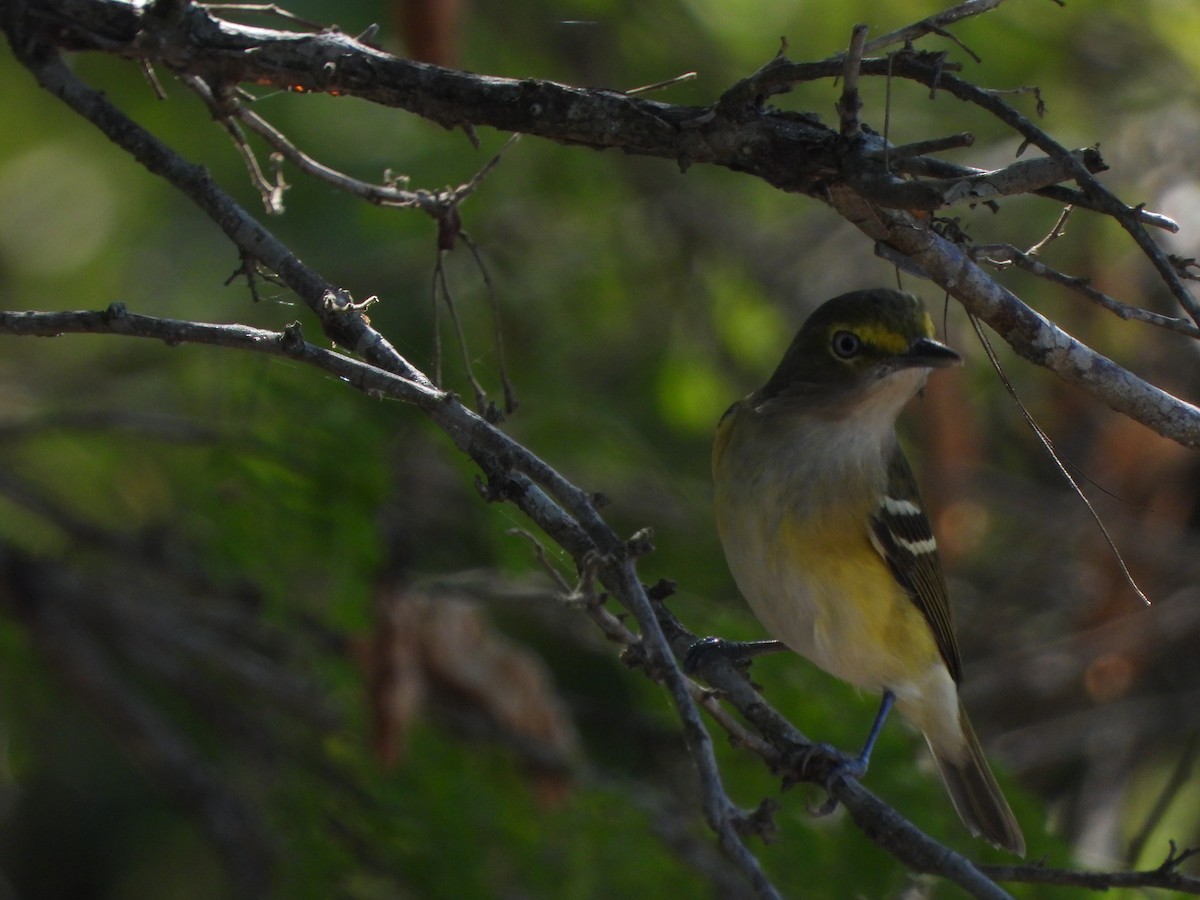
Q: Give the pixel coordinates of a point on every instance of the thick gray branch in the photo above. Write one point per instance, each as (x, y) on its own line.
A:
(789, 150)
(1039, 340)
(1025, 176)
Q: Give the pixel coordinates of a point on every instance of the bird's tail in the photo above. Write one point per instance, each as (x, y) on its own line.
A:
(977, 797)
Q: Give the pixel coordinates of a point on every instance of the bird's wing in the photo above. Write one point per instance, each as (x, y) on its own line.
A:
(901, 532)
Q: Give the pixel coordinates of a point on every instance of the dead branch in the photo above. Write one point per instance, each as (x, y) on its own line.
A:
(791, 151)
(1165, 876)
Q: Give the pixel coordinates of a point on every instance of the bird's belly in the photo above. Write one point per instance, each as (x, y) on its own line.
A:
(839, 607)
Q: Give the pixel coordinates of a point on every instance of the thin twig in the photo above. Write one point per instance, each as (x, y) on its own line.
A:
(1165, 876)
(850, 104)
(435, 293)
(1023, 176)
(381, 195)
(264, 9)
(510, 393)
(739, 736)
(1002, 254)
(565, 589)
(441, 205)
(940, 168)
(151, 77)
(935, 24)
(660, 85)
(462, 192)
(1054, 455)
(1059, 230)
(582, 594)
(271, 192)
(443, 293)
(1104, 199)
(935, 145)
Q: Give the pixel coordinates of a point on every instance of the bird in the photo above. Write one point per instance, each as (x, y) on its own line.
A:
(826, 536)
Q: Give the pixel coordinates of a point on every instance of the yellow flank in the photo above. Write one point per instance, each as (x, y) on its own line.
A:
(864, 628)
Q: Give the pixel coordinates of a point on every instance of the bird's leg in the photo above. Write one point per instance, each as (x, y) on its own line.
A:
(855, 766)
(737, 652)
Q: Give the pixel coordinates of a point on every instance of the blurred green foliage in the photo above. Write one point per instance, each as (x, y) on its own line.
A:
(637, 302)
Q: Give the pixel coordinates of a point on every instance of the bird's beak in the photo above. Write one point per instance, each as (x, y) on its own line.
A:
(928, 353)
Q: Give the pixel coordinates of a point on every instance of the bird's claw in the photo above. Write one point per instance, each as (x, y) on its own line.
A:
(740, 653)
(708, 647)
(842, 766)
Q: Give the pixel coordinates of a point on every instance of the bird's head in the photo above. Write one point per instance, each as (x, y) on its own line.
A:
(851, 348)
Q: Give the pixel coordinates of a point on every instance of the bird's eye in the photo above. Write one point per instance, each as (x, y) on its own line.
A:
(846, 344)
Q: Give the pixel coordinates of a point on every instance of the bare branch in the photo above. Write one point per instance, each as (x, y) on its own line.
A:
(1103, 199)
(1033, 336)
(1058, 231)
(800, 760)
(264, 9)
(660, 85)
(442, 292)
(935, 145)
(1006, 253)
(935, 24)
(510, 393)
(1024, 176)
(850, 105)
(434, 203)
(939, 168)
(770, 146)
(1165, 876)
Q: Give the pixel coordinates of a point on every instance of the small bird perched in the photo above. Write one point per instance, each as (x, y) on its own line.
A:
(826, 536)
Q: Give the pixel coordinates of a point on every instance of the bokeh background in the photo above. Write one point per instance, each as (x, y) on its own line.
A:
(259, 635)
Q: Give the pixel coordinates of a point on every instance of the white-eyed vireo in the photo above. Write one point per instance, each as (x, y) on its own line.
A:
(826, 536)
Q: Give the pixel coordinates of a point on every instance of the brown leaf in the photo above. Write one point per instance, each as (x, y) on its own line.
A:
(443, 654)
